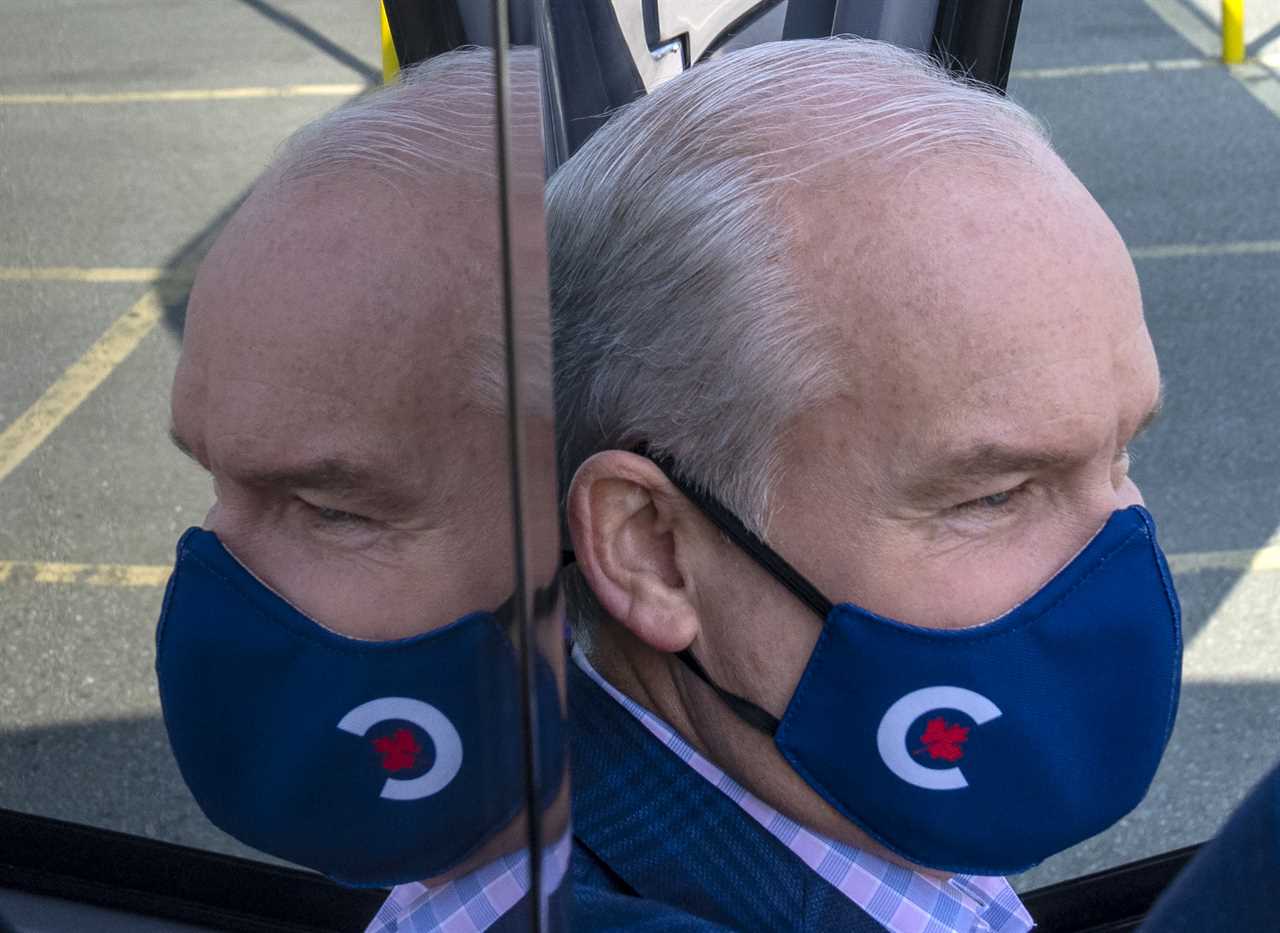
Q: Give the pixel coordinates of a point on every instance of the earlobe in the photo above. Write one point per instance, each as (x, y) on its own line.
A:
(626, 542)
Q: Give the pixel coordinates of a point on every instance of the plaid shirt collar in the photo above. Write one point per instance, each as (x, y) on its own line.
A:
(474, 902)
(901, 900)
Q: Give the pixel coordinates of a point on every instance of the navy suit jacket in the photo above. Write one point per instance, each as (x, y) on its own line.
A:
(657, 847)
(1231, 883)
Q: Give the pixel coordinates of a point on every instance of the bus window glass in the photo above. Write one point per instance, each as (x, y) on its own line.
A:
(332, 458)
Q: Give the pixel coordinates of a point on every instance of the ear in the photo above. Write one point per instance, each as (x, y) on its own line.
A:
(625, 522)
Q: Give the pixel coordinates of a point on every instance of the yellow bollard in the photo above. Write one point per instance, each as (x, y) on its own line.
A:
(1233, 31)
(390, 60)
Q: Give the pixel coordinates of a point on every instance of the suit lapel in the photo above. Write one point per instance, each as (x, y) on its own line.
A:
(674, 838)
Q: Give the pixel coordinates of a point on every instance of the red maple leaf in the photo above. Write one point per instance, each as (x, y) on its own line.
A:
(399, 751)
(942, 740)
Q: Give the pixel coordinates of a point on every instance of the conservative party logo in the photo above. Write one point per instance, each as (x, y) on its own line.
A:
(400, 750)
(942, 740)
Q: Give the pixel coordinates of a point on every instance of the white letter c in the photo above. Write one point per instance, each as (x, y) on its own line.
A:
(891, 738)
(431, 721)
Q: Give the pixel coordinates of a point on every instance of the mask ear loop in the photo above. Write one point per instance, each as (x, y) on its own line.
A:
(773, 562)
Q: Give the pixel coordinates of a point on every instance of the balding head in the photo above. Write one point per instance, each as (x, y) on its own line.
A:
(863, 305)
(676, 228)
(341, 374)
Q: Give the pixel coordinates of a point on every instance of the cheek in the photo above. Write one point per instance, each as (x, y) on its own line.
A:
(345, 593)
(972, 583)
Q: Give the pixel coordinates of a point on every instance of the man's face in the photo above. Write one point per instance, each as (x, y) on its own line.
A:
(327, 383)
(989, 331)
(997, 366)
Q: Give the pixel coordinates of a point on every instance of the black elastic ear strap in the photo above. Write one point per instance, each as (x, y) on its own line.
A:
(756, 716)
(766, 557)
(742, 536)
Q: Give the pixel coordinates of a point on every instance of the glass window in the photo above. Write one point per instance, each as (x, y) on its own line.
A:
(343, 378)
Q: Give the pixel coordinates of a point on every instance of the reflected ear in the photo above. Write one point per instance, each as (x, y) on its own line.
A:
(623, 516)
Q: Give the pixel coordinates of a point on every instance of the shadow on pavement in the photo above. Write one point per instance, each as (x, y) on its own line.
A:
(117, 774)
(317, 39)
(181, 267)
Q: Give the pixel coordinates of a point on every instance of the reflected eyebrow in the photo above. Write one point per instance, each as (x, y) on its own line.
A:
(330, 474)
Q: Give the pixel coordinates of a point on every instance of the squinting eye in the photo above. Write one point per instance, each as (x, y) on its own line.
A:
(995, 501)
(336, 515)
(333, 516)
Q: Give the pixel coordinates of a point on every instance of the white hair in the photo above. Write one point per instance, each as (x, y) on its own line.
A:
(678, 321)
(436, 118)
(436, 124)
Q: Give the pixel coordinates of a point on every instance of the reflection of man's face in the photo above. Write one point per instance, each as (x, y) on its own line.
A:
(332, 381)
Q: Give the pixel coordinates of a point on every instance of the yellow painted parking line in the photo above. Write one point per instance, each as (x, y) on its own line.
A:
(116, 575)
(95, 274)
(184, 95)
(1179, 250)
(1245, 562)
(1113, 68)
(29, 431)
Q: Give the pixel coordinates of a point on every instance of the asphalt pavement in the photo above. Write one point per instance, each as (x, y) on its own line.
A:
(118, 157)
(128, 131)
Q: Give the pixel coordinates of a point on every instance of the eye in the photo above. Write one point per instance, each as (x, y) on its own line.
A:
(995, 502)
(330, 516)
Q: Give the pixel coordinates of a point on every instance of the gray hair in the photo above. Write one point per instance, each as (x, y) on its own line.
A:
(678, 321)
(437, 122)
(436, 118)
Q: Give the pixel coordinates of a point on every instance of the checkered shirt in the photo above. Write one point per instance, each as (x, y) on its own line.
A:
(474, 902)
(901, 900)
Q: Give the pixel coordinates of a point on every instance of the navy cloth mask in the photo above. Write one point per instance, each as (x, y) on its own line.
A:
(985, 750)
(375, 762)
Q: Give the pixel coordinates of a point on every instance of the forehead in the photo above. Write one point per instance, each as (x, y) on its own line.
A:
(334, 306)
(981, 302)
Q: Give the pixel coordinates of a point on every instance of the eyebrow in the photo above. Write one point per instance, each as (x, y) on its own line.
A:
(988, 460)
(330, 474)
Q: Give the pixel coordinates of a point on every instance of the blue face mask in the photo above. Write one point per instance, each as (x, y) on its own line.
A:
(376, 763)
(985, 750)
